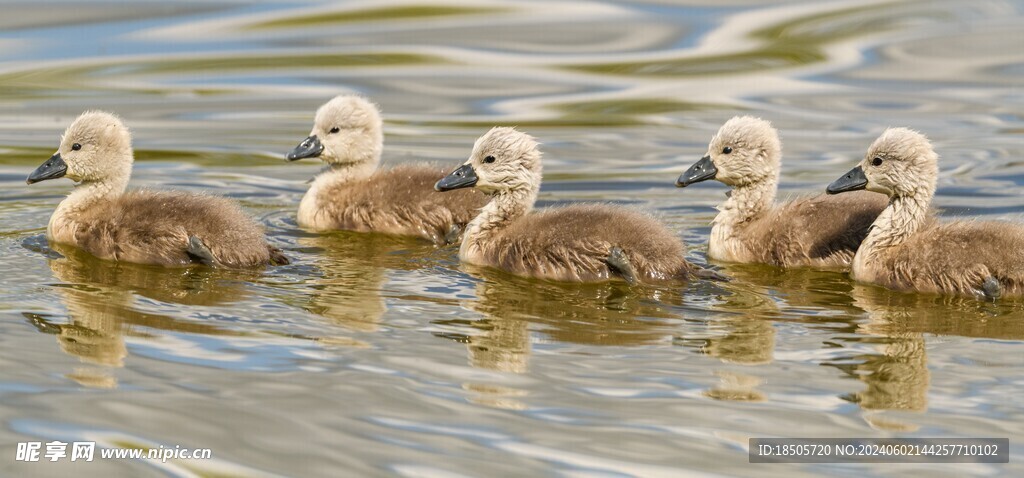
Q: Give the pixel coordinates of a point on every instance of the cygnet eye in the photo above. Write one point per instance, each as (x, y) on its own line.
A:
(876, 162)
(727, 149)
(76, 147)
(489, 159)
(335, 129)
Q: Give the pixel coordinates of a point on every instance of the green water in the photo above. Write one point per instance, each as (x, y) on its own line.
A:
(373, 355)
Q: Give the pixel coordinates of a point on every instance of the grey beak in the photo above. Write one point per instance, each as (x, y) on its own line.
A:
(463, 177)
(53, 168)
(851, 181)
(702, 170)
(308, 148)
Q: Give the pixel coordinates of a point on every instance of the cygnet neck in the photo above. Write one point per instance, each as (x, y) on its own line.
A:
(88, 193)
(504, 207)
(746, 202)
(902, 218)
(345, 172)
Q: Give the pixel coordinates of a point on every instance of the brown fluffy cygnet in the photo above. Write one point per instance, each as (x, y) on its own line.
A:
(818, 231)
(167, 228)
(908, 250)
(579, 243)
(352, 194)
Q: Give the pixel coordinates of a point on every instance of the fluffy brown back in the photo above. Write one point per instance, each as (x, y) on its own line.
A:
(819, 231)
(153, 227)
(402, 201)
(572, 243)
(957, 258)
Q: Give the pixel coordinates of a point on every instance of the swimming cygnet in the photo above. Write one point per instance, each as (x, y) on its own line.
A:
(352, 194)
(167, 228)
(579, 243)
(818, 231)
(907, 250)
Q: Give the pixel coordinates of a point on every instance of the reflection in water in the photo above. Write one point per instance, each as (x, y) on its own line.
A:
(736, 387)
(503, 347)
(612, 313)
(748, 339)
(762, 295)
(898, 377)
(198, 286)
(746, 315)
(352, 271)
(749, 336)
(795, 293)
(894, 312)
(99, 297)
(496, 396)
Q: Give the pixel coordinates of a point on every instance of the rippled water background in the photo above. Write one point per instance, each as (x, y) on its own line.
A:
(373, 355)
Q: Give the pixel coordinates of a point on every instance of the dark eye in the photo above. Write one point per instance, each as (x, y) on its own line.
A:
(76, 147)
(876, 162)
(489, 159)
(727, 149)
(335, 129)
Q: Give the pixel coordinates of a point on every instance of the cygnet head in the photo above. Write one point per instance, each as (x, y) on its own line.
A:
(347, 130)
(503, 160)
(901, 162)
(746, 150)
(96, 147)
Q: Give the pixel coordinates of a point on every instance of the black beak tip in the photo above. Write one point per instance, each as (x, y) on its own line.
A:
(702, 170)
(851, 181)
(310, 147)
(297, 155)
(463, 177)
(53, 168)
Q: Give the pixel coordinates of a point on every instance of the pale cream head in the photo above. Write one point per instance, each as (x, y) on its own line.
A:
(505, 160)
(746, 150)
(350, 129)
(901, 162)
(97, 147)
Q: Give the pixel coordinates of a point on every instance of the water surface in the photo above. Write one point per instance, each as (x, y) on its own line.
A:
(373, 355)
